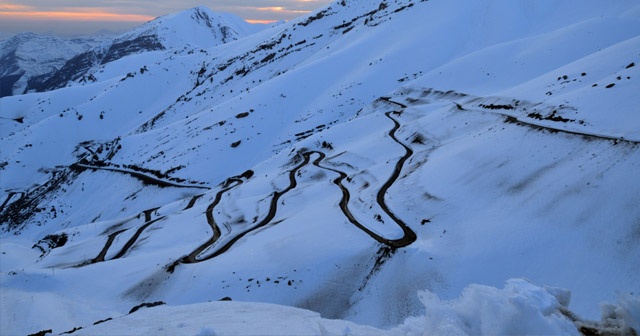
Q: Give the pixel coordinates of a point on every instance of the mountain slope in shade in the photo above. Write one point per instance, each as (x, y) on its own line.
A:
(340, 163)
(29, 55)
(193, 29)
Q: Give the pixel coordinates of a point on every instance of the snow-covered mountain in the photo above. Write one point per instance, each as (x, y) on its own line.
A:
(340, 163)
(195, 29)
(27, 55)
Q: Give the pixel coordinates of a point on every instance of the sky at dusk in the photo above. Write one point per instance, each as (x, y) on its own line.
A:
(77, 17)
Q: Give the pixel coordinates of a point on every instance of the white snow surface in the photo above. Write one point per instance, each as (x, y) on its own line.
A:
(479, 143)
(195, 27)
(521, 308)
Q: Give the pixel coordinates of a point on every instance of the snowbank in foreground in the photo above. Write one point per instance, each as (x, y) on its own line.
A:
(520, 308)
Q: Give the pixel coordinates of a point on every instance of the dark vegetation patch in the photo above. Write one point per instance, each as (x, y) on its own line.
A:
(310, 19)
(268, 58)
(551, 117)
(399, 9)
(175, 169)
(129, 75)
(384, 253)
(497, 106)
(50, 242)
(149, 124)
(71, 331)
(309, 132)
(102, 321)
(368, 16)
(326, 145)
(418, 139)
(16, 214)
(146, 305)
(247, 174)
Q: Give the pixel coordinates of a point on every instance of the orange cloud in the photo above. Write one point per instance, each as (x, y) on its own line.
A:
(14, 7)
(280, 9)
(261, 21)
(20, 12)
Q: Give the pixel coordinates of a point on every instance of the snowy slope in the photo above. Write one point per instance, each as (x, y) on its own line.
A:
(29, 55)
(339, 163)
(196, 27)
(187, 31)
(519, 308)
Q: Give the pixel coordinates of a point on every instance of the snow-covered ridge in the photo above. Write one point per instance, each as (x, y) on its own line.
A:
(194, 29)
(25, 56)
(339, 163)
(198, 27)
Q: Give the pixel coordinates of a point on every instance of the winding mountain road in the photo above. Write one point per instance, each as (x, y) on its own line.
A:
(127, 246)
(316, 158)
(408, 237)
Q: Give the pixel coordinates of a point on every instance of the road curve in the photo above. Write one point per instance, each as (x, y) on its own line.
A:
(125, 248)
(408, 237)
(145, 178)
(198, 254)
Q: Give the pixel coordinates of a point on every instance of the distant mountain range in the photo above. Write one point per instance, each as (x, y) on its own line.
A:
(37, 63)
(339, 163)
(27, 55)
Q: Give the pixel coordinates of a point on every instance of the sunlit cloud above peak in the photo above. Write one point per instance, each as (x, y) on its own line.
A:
(87, 15)
(54, 15)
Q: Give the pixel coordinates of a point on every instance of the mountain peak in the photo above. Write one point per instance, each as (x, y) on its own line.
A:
(197, 26)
